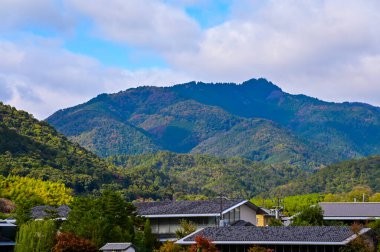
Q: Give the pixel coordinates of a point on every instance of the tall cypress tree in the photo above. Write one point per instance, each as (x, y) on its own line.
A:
(149, 238)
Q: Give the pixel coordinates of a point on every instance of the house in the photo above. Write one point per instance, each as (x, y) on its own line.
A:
(350, 211)
(49, 212)
(165, 216)
(264, 216)
(279, 239)
(7, 236)
(118, 247)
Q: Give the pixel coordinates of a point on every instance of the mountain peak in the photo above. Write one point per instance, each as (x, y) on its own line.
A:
(261, 84)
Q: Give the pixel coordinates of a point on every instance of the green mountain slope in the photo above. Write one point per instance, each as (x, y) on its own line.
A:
(183, 125)
(32, 148)
(165, 174)
(212, 119)
(265, 141)
(337, 178)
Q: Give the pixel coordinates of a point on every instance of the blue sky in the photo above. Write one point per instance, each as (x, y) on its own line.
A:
(59, 53)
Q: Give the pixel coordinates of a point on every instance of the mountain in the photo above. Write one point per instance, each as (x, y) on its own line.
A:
(165, 175)
(32, 148)
(185, 176)
(261, 140)
(337, 178)
(255, 119)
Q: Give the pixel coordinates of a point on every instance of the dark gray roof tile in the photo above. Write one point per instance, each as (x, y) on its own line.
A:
(41, 212)
(352, 209)
(275, 234)
(116, 246)
(184, 207)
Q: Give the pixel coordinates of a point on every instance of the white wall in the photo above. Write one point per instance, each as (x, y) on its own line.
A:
(248, 214)
(130, 249)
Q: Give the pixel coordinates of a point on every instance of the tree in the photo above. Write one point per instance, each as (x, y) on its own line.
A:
(358, 192)
(36, 236)
(86, 220)
(68, 242)
(375, 197)
(186, 227)
(311, 216)
(203, 245)
(375, 226)
(358, 244)
(6, 206)
(169, 246)
(275, 222)
(108, 218)
(149, 238)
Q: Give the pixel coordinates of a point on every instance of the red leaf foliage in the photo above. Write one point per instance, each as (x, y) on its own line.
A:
(68, 242)
(203, 245)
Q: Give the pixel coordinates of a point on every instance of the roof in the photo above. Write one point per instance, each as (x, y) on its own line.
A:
(241, 223)
(352, 210)
(41, 212)
(265, 211)
(6, 224)
(116, 246)
(305, 235)
(188, 208)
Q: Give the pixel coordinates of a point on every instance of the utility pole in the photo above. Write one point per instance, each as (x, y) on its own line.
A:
(278, 208)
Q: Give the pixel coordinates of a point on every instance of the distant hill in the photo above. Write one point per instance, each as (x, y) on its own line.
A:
(166, 175)
(337, 178)
(32, 148)
(255, 120)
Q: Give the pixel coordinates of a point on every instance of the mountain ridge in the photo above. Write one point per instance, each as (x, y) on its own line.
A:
(180, 119)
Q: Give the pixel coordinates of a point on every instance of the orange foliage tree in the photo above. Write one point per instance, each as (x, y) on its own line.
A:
(203, 245)
(68, 242)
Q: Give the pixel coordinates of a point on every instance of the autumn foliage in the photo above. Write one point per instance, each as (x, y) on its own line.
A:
(68, 242)
(203, 245)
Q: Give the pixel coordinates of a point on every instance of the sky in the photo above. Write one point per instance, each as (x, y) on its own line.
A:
(59, 53)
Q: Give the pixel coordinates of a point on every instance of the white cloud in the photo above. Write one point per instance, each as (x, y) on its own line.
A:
(44, 78)
(326, 49)
(142, 23)
(314, 47)
(47, 14)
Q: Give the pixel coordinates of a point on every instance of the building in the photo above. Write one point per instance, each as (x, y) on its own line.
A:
(7, 236)
(279, 239)
(118, 247)
(350, 211)
(49, 212)
(165, 216)
(264, 216)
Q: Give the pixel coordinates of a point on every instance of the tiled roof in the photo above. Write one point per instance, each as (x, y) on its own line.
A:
(116, 246)
(274, 235)
(184, 207)
(40, 212)
(353, 209)
(241, 223)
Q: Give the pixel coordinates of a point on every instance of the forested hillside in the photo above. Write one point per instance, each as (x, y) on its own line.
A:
(255, 120)
(165, 174)
(32, 148)
(337, 178)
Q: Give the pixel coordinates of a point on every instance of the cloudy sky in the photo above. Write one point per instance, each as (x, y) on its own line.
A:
(59, 53)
